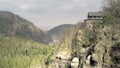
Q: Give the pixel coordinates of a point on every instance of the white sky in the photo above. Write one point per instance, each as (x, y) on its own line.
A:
(47, 14)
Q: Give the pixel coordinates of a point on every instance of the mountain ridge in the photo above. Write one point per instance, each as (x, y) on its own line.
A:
(14, 25)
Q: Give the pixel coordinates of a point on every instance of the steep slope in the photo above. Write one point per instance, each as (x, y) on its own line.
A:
(14, 25)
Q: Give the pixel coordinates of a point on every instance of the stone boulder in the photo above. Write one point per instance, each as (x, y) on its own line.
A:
(87, 61)
(75, 62)
(95, 57)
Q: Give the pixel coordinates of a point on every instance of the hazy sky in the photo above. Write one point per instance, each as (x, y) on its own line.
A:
(49, 13)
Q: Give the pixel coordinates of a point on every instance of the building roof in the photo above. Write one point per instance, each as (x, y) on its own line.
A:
(100, 14)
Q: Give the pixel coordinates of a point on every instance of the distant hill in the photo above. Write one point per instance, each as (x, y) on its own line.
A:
(62, 31)
(58, 29)
(16, 26)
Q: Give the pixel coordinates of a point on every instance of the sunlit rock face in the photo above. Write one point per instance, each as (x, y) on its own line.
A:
(75, 62)
(64, 55)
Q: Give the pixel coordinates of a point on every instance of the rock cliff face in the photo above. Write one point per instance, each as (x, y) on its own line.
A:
(95, 47)
(98, 47)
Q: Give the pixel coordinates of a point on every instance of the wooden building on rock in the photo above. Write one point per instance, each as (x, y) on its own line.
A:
(93, 17)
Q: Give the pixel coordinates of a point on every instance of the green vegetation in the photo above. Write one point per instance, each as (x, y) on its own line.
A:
(22, 53)
(108, 19)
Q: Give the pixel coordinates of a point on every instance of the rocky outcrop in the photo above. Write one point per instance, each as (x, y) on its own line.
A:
(65, 59)
(95, 47)
(98, 47)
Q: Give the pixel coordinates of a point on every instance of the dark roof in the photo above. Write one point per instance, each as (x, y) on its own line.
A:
(95, 14)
